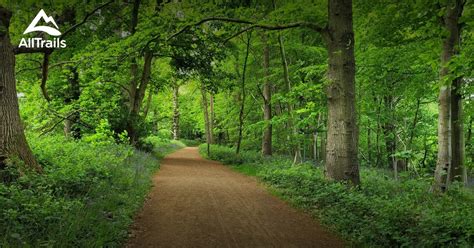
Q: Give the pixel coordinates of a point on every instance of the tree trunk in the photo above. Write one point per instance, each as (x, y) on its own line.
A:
(389, 130)
(378, 154)
(148, 103)
(291, 120)
(315, 147)
(175, 111)
(12, 137)
(412, 130)
(322, 147)
(458, 171)
(137, 100)
(267, 101)
(369, 144)
(71, 124)
(342, 139)
(243, 94)
(206, 118)
(130, 95)
(138, 86)
(449, 165)
(212, 117)
(469, 135)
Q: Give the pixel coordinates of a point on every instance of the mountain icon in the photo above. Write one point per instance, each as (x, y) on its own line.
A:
(47, 19)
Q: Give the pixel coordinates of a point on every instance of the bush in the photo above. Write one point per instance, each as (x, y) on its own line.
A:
(162, 146)
(188, 142)
(381, 213)
(86, 197)
(227, 155)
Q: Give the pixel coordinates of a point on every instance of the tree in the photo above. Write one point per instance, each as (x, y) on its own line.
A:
(207, 119)
(175, 111)
(297, 159)
(12, 137)
(267, 100)
(449, 165)
(342, 137)
(243, 95)
(138, 84)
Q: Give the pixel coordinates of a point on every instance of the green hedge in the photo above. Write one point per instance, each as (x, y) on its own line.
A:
(86, 197)
(381, 213)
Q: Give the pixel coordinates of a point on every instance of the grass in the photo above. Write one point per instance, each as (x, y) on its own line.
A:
(87, 196)
(381, 213)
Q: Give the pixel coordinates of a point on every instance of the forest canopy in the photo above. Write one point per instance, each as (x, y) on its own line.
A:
(339, 92)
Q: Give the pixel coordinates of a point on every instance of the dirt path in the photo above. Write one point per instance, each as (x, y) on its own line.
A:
(201, 203)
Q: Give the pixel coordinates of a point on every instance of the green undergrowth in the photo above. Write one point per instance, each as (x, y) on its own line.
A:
(191, 143)
(159, 147)
(381, 213)
(86, 197)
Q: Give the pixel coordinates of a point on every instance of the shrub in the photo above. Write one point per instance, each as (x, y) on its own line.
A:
(381, 213)
(228, 155)
(188, 142)
(86, 196)
(162, 146)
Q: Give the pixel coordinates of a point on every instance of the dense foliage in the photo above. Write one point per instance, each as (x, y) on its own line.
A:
(381, 213)
(82, 199)
(255, 76)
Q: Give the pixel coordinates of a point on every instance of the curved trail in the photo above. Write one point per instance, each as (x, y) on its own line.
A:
(201, 203)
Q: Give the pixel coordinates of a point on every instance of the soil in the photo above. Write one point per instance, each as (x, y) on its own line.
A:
(201, 203)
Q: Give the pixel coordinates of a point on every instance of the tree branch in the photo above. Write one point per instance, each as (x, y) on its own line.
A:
(20, 50)
(44, 76)
(309, 25)
(85, 19)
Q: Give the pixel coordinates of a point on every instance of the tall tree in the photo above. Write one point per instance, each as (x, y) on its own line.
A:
(138, 84)
(449, 165)
(12, 137)
(207, 119)
(267, 99)
(176, 111)
(296, 147)
(342, 137)
(243, 94)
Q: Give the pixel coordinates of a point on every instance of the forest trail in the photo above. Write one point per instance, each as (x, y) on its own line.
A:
(201, 203)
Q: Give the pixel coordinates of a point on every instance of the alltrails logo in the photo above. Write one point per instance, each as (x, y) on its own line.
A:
(40, 42)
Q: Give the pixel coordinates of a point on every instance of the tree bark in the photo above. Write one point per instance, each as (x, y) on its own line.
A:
(13, 143)
(449, 165)
(267, 101)
(176, 111)
(458, 171)
(342, 138)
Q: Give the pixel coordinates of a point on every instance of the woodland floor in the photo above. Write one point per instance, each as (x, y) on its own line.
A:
(201, 203)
